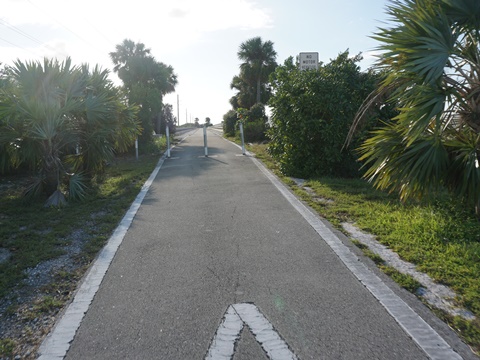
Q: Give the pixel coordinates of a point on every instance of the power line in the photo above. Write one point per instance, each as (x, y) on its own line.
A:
(97, 30)
(18, 46)
(21, 32)
(66, 28)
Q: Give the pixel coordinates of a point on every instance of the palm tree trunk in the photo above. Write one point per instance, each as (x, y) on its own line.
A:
(51, 181)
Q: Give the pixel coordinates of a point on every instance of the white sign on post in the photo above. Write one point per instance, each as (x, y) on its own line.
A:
(308, 61)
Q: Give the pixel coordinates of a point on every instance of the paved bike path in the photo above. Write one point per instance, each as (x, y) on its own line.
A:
(213, 236)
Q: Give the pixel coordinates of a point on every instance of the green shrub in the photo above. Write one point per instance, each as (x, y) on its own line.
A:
(312, 112)
(254, 123)
(229, 122)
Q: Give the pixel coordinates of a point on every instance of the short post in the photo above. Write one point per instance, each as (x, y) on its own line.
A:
(167, 134)
(205, 139)
(242, 138)
(136, 149)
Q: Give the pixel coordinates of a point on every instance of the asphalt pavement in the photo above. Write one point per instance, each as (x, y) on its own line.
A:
(218, 264)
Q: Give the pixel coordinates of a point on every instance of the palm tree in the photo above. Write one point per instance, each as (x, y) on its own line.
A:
(145, 80)
(62, 121)
(134, 65)
(431, 56)
(246, 94)
(258, 61)
(125, 51)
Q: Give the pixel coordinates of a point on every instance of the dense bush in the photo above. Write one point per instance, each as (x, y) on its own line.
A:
(229, 122)
(254, 123)
(312, 112)
(62, 122)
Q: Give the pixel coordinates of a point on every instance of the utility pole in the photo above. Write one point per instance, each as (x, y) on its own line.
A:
(178, 109)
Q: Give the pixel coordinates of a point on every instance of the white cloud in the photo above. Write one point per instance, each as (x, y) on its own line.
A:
(93, 19)
(88, 30)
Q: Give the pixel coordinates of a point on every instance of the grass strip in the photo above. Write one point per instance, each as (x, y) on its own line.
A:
(31, 234)
(442, 237)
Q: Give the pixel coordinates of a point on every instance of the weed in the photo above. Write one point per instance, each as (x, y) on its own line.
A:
(404, 280)
(468, 330)
(359, 244)
(6, 347)
(48, 304)
(377, 259)
(34, 234)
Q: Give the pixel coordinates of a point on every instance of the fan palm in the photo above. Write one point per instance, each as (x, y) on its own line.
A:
(258, 60)
(125, 51)
(431, 56)
(146, 82)
(246, 95)
(62, 121)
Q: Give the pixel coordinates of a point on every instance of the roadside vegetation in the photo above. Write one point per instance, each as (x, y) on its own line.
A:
(312, 112)
(253, 90)
(69, 171)
(431, 70)
(145, 82)
(410, 126)
(441, 237)
(69, 238)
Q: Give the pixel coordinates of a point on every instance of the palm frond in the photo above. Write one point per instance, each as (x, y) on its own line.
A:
(77, 188)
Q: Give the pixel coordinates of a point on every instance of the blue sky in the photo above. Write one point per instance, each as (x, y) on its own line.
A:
(200, 39)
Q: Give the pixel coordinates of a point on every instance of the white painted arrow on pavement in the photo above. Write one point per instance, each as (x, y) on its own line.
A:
(236, 317)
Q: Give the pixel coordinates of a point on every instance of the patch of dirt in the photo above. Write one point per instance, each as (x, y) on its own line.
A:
(322, 200)
(28, 314)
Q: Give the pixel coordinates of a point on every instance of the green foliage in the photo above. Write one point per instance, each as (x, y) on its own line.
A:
(229, 122)
(6, 347)
(246, 92)
(404, 280)
(46, 305)
(312, 112)
(254, 122)
(441, 238)
(252, 83)
(468, 330)
(77, 187)
(431, 58)
(146, 81)
(58, 120)
(34, 234)
(166, 118)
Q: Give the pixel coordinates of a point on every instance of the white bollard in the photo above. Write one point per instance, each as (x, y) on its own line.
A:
(241, 137)
(167, 134)
(136, 148)
(205, 139)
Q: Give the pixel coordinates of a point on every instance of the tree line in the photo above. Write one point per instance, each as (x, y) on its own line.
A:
(63, 123)
(409, 124)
